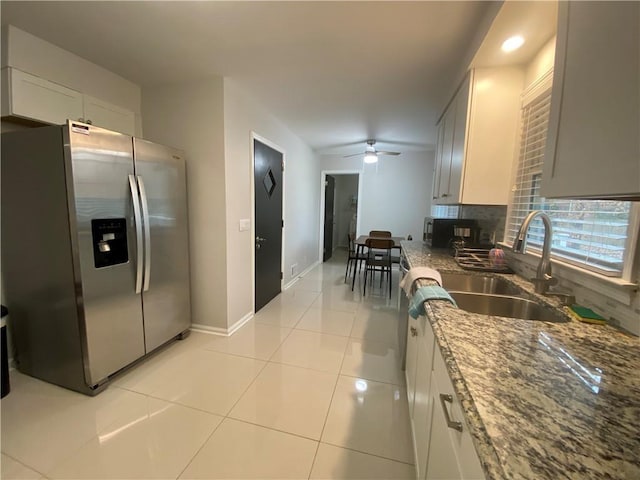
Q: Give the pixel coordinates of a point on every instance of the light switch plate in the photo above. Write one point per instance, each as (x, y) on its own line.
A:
(244, 224)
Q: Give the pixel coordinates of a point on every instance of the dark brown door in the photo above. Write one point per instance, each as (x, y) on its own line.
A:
(268, 217)
(329, 193)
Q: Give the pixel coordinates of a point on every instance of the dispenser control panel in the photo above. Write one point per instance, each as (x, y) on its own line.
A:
(109, 242)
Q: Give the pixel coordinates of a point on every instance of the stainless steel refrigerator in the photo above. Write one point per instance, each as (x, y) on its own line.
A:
(95, 260)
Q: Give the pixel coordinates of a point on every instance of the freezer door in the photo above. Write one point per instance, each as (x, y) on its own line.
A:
(165, 297)
(98, 163)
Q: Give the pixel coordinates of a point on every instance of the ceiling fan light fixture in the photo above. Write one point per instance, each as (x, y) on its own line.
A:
(370, 157)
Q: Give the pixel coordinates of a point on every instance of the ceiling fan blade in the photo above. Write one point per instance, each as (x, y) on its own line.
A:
(354, 155)
(387, 153)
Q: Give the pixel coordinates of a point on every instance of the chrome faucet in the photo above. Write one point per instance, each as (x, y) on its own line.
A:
(543, 279)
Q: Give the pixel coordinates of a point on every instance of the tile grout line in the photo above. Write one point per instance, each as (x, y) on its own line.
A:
(24, 464)
(226, 416)
(369, 453)
(326, 417)
(199, 449)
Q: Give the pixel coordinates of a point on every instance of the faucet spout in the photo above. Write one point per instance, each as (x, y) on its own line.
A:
(543, 279)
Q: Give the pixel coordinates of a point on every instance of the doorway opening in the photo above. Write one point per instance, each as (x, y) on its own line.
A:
(340, 210)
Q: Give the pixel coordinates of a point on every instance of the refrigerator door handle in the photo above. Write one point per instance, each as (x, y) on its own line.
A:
(138, 221)
(147, 234)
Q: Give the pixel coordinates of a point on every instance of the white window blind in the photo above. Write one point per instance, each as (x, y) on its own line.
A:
(445, 211)
(588, 233)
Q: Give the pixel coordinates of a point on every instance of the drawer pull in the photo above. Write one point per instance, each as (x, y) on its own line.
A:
(414, 332)
(451, 424)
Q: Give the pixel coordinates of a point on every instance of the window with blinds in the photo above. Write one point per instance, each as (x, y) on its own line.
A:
(445, 211)
(588, 233)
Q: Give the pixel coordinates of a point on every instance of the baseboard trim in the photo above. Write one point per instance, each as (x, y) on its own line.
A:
(224, 332)
(236, 326)
(302, 274)
(309, 268)
(291, 283)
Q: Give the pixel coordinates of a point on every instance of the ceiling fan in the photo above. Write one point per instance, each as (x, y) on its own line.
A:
(370, 153)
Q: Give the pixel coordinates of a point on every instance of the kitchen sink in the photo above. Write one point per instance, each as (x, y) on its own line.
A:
(464, 282)
(505, 306)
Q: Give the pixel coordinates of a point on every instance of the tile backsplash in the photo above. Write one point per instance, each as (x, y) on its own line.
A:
(491, 218)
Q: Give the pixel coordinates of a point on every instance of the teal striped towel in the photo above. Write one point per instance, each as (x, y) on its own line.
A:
(432, 292)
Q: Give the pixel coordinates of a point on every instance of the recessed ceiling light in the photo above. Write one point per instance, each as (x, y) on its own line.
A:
(512, 43)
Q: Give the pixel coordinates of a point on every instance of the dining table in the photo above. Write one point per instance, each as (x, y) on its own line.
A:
(360, 244)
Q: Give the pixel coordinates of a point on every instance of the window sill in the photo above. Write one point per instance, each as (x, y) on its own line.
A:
(617, 288)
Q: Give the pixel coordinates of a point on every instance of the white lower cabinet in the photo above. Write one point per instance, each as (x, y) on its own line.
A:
(411, 361)
(443, 447)
(423, 402)
(451, 451)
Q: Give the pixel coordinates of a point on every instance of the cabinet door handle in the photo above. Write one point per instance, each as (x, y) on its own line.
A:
(444, 195)
(444, 397)
(414, 332)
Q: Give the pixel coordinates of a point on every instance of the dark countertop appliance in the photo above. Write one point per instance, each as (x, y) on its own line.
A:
(440, 233)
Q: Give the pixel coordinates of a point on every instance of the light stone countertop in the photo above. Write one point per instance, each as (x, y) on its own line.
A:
(542, 400)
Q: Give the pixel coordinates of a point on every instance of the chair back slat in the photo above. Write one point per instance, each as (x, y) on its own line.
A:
(379, 233)
(379, 243)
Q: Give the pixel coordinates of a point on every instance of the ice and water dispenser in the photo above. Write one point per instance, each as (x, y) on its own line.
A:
(109, 241)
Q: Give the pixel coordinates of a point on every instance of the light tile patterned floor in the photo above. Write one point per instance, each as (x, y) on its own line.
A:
(311, 387)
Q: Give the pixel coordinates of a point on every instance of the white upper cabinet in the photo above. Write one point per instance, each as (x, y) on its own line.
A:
(103, 114)
(477, 140)
(593, 144)
(30, 97)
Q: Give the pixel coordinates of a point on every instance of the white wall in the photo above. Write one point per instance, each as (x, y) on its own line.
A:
(189, 116)
(242, 116)
(346, 188)
(541, 63)
(395, 192)
(213, 121)
(33, 55)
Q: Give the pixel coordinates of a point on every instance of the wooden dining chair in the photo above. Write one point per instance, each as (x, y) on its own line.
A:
(378, 259)
(385, 233)
(355, 259)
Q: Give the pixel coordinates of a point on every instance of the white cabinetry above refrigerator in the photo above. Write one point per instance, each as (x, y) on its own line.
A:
(30, 97)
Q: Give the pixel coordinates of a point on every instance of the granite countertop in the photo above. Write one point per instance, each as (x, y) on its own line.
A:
(541, 399)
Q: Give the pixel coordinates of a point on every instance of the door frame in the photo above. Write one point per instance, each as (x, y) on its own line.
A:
(323, 178)
(279, 149)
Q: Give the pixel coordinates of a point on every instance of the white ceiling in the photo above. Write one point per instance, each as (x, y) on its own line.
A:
(336, 73)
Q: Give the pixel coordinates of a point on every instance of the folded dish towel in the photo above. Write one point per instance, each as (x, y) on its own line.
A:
(417, 273)
(416, 307)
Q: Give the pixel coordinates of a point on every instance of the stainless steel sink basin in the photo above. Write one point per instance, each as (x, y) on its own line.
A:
(505, 306)
(464, 282)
